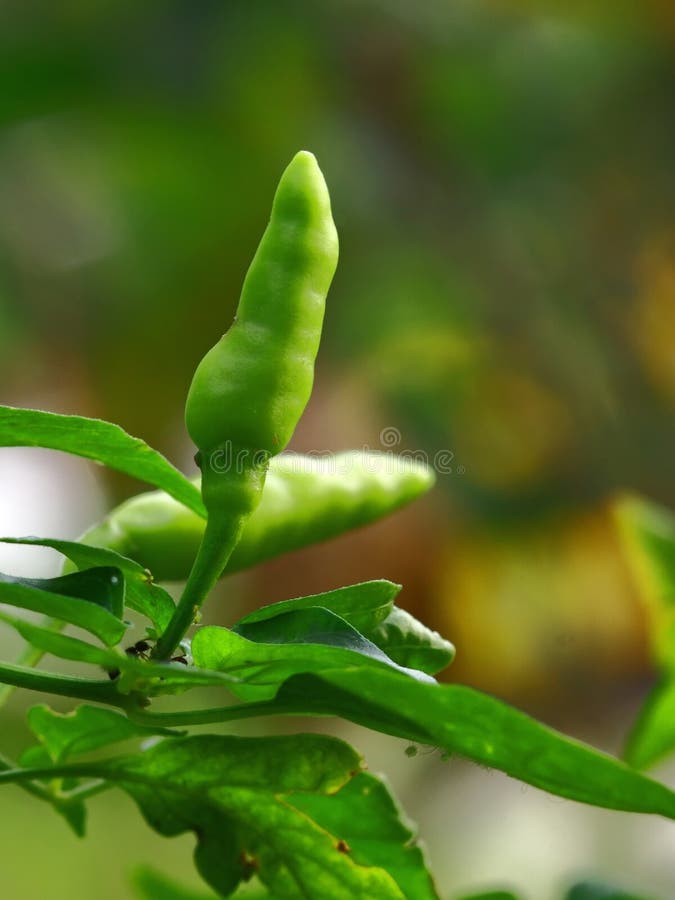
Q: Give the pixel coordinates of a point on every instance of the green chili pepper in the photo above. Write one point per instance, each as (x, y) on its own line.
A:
(250, 390)
(305, 500)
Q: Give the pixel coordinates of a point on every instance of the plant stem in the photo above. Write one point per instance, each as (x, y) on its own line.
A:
(29, 658)
(84, 791)
(219, 540)
(231, 490)
(217, 714)
(63, 685)
(79, 770)
(37, 790)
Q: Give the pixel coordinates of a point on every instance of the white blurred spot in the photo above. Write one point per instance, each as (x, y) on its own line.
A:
(43, 494)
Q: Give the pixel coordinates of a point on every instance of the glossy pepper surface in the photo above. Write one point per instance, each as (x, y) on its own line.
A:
(305, 500)
(252, 387)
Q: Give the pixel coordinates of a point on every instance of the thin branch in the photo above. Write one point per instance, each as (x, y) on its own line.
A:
(218, 713)
(37, 790)
(62, 685)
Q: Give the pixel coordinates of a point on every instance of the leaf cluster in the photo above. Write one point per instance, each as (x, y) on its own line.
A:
(293, 816)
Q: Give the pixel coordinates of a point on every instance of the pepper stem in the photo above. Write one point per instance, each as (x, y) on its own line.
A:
(230, 497)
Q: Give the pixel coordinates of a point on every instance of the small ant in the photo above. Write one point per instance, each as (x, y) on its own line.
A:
(142, 650)
(139, 650)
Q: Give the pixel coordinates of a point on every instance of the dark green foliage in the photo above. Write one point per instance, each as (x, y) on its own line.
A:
(649, 538)
(298, 815)
(239, 797)
(89, 616)
(87, 728)
(139, 591)
(102, 585)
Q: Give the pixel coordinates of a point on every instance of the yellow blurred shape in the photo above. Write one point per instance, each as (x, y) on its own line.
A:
(421, 358)
(541, 612)
(510, 430)
(648, 534)
(652, 324)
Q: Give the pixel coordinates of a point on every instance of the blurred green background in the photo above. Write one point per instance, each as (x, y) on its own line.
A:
(502, 182)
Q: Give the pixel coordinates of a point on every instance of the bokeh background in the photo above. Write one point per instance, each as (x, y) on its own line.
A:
(502, 181)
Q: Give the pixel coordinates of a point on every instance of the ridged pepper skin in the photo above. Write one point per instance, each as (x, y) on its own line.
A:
(305, 500)
(252, 387)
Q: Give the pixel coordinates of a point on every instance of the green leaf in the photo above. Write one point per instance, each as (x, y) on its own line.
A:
(72, 810)
(649, 539)
(154, 679)
(98, 440)
(92, 618)
(410, 643)
(35, 757)
(75, 813)
(363, 605)
(594, 890)
(102, 585)
(253, 891)
(237, 795)
(152, 885)
(369, 822)
(50, 640)
(84, 729)
(269, 651)
(460, 720)
(141, 594)
(653, 735)
(132, 674)
(314, 625)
